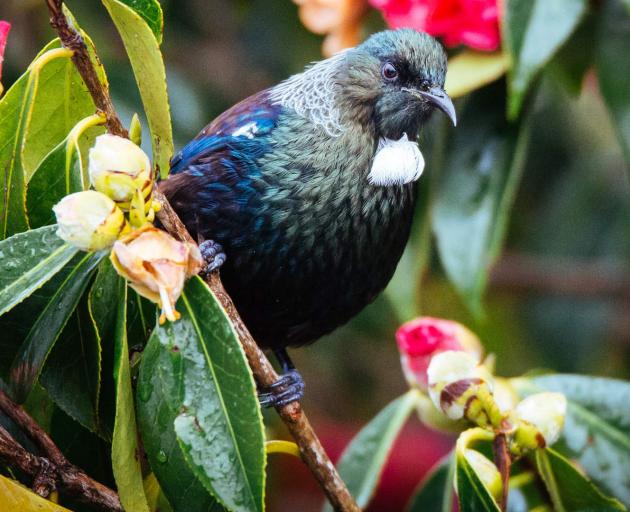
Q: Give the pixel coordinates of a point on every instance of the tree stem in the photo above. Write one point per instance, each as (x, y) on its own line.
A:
(311, 449)
(51, 470)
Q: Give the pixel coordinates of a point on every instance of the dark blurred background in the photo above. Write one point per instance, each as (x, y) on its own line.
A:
(558, 298)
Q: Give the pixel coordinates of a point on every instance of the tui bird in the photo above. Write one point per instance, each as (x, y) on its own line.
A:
(308, 187)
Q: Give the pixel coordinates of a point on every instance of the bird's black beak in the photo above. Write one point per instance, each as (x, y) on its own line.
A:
(439, 99)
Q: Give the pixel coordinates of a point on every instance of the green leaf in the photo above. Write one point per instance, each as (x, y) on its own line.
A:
(60, 101)
(533, 31)
(151, 12)
(597, 426)
(435, 492)
(13, 108)
(72, 374)
(569, 490)
(159, 396)
(482, 169)
(362, 462)
(148, 67)
(219, 426)
(83, 448)
(49, 323)
(103, 309)
(125, 458)
(470, 70)
(472, 494)
(60, 173)
(30, 259)
(613, 67)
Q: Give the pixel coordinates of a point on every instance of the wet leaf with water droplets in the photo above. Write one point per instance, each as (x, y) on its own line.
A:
(211, 396)
(49, 323)
(159, 397)
(27, 261)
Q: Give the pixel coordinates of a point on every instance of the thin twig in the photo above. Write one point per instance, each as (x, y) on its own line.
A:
(503, 462)
(51, 470)
(312, 451)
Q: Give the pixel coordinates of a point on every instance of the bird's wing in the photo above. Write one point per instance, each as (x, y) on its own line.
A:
(252, 119)
(216, 181)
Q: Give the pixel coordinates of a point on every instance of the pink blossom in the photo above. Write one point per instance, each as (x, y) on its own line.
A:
(422, 338)
(473, 23)
(4, 33)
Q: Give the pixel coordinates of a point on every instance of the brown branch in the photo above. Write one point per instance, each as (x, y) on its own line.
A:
(72, 40)
(51, 470)
(312, 451)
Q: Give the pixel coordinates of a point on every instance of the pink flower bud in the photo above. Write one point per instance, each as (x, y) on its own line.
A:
(4, 34)
(422, 338)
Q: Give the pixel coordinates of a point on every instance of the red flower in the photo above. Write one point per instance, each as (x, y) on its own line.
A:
(422, 338)
(4, 33)
(473, 23)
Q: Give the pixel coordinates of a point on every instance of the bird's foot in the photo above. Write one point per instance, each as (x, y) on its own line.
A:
(288, 388)
(212, 253)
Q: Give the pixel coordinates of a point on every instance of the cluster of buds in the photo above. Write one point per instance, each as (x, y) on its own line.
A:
(117, 215)
(443, 359)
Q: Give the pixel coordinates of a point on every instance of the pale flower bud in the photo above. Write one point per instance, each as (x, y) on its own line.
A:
(156, 266)
(118, 168)
(539, 419)
(487, 472)
(89, 220)
(454, 377)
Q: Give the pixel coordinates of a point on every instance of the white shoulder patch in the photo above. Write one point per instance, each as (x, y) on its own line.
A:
(312, 94)
(396, 162)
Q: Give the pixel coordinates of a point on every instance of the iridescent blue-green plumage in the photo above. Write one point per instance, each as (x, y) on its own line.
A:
(309, 241)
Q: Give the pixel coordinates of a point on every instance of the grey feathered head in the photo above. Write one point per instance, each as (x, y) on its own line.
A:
(397, 77)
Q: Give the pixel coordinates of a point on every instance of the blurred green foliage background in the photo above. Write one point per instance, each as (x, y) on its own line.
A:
(558, 297)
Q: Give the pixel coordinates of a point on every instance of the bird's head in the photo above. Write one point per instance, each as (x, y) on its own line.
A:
(396, 79)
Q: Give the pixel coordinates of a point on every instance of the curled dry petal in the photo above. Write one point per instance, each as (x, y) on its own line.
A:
(156, 266)
(89, 220)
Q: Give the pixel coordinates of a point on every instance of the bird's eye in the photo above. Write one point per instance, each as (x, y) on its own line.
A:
(425, 85)
(389, 71)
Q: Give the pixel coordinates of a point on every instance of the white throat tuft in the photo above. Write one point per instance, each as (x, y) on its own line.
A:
(312, 94)
(396, 162)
